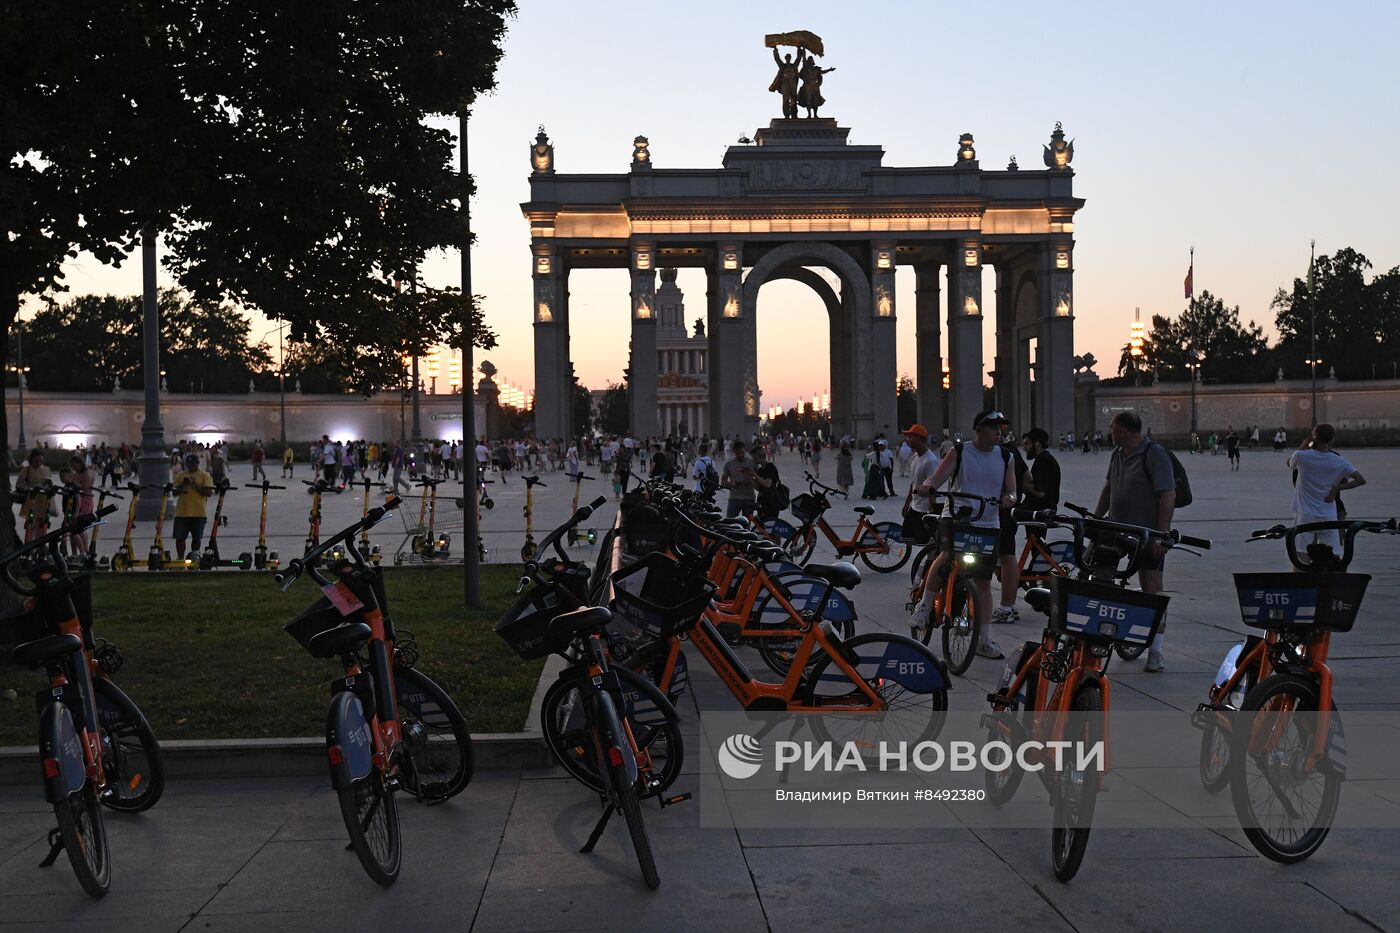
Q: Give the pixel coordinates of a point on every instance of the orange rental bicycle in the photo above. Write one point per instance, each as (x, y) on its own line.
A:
(881, 545)
(968, 551)
(1288, 749)
(1057, 689)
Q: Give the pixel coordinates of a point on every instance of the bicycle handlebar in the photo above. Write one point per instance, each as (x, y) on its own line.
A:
(1350, 530)
(346, 535)
(982, 502)
(814, 484)
(51, 541)
(532, 567)
(1084, 520)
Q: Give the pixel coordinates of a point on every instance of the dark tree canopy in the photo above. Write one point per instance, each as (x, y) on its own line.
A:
(1229, 349)
(1355, 319)
(613, 412)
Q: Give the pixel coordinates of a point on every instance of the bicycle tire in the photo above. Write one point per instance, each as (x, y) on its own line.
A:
(441, 767)
(1001, 785)
(1214, 763)
(566, 733)
(961, 628)
(1129, 652)
(631, 808)
(1074, 804)
(801, 544)
(1305, 694)
(928, 724)
(131, 757)
(366, 805)
(84, 835)
(920, 563)
(888, 562)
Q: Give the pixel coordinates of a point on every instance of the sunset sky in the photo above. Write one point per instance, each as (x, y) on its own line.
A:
(1244, 129)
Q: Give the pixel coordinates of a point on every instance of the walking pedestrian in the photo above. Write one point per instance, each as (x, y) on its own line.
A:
(258, 456)
(288, 461)
(1320, 476)
(845, 476)
(396, 463)
(1140, 489)
(1232, 448)
(739, 476)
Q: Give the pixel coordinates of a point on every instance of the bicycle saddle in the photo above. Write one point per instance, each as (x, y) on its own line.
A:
(839, 573)
(36, 653)
(863, 510)
(1039, 599)
(587, 619)
(338, 640)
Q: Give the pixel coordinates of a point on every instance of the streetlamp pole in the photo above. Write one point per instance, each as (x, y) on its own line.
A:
(471, 570)
(417, 438)
(19, 373)
(1195, 369)
(282, 387)
(1312, 327)
(153, 465)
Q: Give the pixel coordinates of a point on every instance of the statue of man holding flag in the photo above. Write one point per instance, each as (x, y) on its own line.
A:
(789, 71)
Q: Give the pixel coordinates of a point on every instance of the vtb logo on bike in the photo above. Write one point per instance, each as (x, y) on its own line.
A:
(905, 667)
(740, 756)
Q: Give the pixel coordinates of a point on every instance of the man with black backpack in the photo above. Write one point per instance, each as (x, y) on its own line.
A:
(1142, 488)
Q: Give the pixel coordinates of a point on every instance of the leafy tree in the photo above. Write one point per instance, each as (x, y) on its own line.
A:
(583, 405)
(83, 345)
(1355, 319)
(613, 413)
(1229, 350)
(906, 402)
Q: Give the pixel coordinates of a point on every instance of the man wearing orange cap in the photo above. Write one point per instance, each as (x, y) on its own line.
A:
(924, 463)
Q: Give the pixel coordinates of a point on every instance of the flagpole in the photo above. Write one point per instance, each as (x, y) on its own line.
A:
(1194, 367)
(1312, 326)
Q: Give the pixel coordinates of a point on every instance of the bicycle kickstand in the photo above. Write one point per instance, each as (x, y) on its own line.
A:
(55, 847)
(598, 829)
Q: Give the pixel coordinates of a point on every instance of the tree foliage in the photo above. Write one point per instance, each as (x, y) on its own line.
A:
(1355, 319)
(1228, 349)
(613, 412)
(906, 401)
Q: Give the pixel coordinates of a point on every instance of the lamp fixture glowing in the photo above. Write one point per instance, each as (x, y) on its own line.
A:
(543, 314)
(731, 307)
(731, 262)
(1062, 260)
(643, 260)
(542, 265)
(884, 259)
(1062, 308)
(970, 256)
(970, 305)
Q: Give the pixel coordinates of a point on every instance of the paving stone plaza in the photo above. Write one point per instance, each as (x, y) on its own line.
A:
(268, 854)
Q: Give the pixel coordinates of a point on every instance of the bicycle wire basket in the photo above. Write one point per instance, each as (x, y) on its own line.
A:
(1300, 600)
(1101, 612)
(526, 625)
(655, 596)
(321, 616)
(806, 507)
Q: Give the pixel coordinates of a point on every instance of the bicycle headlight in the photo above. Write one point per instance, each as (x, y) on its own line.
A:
(969, 558)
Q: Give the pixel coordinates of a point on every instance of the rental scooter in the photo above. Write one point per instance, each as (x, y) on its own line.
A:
(210, 558)
(318, 488)
(527, 552)
(370, 551)
(263, 559)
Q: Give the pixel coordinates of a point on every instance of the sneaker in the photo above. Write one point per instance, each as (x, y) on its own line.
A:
(918, 624)
(990, 649)
(1154, 664)
(1005, 614)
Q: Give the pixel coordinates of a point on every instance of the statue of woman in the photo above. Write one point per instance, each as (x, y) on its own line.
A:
(810, 96)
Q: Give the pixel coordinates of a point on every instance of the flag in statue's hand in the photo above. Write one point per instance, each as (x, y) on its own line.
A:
(799, 38)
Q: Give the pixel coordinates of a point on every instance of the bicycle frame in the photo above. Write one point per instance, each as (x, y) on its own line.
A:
(1035, 547)
(1050, 710)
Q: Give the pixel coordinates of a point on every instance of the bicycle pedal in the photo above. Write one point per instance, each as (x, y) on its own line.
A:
(673, 800)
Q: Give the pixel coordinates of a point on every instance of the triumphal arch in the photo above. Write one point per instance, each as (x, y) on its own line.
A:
(797, 198)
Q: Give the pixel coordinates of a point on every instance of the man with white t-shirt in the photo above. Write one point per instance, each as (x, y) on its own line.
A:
(1322, 475)
(982, 468)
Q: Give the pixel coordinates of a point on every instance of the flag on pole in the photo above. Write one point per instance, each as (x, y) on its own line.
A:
(1312, 262)
(1190, 287)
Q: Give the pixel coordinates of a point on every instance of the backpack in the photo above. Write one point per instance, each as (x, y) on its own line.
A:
(1183, 485)
(704, 471)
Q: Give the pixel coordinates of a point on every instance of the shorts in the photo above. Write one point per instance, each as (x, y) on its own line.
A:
(189, 526)
(1233, 452)
(1332, 539)
(1006, 544)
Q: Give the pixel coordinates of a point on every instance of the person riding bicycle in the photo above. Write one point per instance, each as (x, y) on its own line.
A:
(981, 468)
(194, 487)
(1140, 489)
(32, 478)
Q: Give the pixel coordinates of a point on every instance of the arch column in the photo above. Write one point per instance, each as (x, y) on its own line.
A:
(641, 391)
(884, 370)
(965, 335)
(1055, 383)
(552, 363)
(928, 366)
(729, 369)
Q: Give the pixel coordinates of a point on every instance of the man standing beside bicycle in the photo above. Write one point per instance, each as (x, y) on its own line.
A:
(981, 468)
(740, 477)
(1140, 489)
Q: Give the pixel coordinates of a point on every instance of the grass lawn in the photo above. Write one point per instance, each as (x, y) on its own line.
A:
(206, 656)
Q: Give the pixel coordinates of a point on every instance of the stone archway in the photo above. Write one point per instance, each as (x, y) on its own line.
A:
(854, 369)
(839, 319)
(1025, 326)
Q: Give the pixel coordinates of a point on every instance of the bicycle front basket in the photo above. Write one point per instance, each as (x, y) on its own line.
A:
(653, 595)
(1298, 600)
(807, 507)
(1104, 613)
(322, 616)
(525, 626)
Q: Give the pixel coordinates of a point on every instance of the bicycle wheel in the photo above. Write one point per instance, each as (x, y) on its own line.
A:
(1215, 758)
(372, 819)
(566, 731)
(1001, 785)
(131, 755)
(961, 630)
(84, 836)
(916, 570)
(440, 760)
(886, 561)
(1129, 652)
(1284, 809)
(1077, 790)
(908, 716)
(800, 544)
(631, 809)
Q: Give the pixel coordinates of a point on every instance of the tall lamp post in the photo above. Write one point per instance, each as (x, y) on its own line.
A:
(281, 383)
(153, 463)
(1195, 367)
(1312, 326)
(1313, 363)
(471, 570)
(19, 369)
